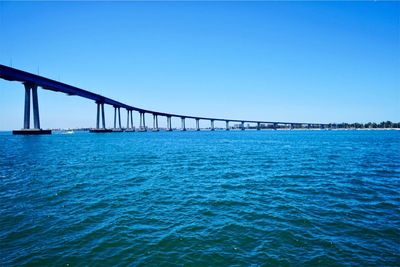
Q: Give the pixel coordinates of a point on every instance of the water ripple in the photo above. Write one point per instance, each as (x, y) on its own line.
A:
(269, 198)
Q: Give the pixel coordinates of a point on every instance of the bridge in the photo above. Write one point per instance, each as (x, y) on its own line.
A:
(32, 82)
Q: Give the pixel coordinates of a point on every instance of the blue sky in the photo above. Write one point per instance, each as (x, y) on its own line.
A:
(290, 61)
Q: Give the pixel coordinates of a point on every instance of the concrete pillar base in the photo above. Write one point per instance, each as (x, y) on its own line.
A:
(100, 130)
(31, 132)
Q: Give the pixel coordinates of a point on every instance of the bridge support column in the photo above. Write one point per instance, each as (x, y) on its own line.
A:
(242, 126)
(103, 118)
(36, 119)
(27, 109)
(197, 125)
(183, 124)
(155, 123)
(169, 125)
(127, 118)
(212, 125)
(115, 117)
(119, 118)
(98, 116)
(131, 112)
(227, 125)
(258, 126)
(117, 110)
(142, 122)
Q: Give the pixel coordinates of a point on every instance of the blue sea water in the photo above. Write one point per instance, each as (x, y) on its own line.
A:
(252, 198)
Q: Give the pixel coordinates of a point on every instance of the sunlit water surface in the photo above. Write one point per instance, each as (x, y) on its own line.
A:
(201, 198)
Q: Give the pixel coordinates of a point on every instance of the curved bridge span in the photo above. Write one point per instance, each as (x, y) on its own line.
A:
(32, 82)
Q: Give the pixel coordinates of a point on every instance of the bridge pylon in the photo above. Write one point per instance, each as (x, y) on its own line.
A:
(31, 88)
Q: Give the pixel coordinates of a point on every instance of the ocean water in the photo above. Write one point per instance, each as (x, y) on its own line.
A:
(252, 198)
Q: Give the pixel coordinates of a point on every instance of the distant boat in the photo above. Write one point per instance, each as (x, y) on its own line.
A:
(69, 132)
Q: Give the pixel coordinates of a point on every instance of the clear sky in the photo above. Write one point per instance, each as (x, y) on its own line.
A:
(287, 61)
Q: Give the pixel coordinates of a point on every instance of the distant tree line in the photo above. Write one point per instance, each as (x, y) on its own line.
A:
(369, 125)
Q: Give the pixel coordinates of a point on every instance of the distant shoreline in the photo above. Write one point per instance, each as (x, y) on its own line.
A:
(223, 129)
